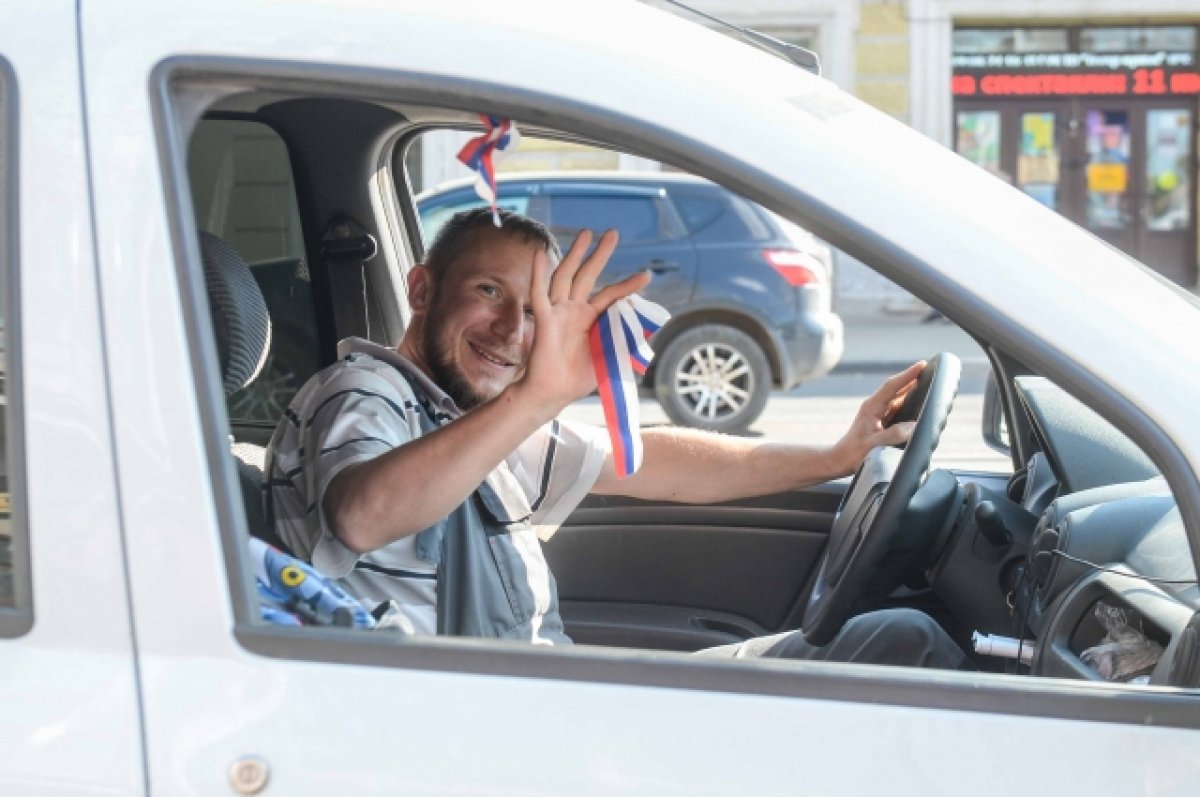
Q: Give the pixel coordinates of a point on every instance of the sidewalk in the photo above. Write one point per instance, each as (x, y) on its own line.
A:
(883, 342)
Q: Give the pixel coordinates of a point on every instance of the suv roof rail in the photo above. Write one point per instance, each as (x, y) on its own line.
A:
(805, 59)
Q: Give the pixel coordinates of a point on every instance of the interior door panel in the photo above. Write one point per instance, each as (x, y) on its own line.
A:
(680, 577)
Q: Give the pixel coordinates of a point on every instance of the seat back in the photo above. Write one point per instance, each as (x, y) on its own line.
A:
(242, 328)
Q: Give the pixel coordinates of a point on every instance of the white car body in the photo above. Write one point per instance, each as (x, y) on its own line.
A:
(131, 678)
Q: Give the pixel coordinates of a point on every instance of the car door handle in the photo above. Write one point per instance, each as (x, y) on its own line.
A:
(662, 267)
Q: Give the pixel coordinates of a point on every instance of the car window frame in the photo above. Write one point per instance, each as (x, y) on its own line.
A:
(979, 692)
(18, 620)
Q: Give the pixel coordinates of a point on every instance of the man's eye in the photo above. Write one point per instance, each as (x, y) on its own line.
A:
(529, 312)
(489, 290)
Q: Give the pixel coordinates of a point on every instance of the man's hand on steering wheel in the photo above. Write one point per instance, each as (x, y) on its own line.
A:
(911, 408)
(873, 425)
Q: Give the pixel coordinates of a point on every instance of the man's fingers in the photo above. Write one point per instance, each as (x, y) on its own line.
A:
(630, 285)
(539, 296)
(894, 387)
(564, 275)
(896, 434)
(585, 277)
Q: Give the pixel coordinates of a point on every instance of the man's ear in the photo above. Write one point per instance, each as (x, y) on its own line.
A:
(420, 288)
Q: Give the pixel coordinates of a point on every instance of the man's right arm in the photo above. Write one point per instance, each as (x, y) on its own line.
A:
(411, 487)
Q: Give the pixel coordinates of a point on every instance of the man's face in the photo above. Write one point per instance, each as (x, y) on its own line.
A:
(478, 327)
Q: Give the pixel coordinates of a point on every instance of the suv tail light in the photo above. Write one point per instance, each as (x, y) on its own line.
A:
(798, 268)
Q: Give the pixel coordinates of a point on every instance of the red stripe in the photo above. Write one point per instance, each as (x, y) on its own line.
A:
(607, 399)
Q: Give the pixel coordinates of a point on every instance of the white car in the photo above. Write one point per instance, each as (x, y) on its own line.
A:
(133, 659)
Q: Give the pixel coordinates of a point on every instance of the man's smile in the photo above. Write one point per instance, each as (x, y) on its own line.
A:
(491, 357)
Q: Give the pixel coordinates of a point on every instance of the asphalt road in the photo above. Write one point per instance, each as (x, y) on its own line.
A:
(818, 414)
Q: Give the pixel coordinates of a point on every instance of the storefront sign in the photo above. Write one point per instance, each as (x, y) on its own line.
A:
(1063, 74)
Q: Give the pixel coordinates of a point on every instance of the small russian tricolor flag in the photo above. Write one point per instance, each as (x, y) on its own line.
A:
(499, 135)
(620, 353)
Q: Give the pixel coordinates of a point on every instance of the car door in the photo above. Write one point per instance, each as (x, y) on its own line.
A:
(232, 703)
(640, 575)
(70, 722)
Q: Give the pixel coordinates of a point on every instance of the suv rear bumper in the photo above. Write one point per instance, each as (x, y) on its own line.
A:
(809, 348)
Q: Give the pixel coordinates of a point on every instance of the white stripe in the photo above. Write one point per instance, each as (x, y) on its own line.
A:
(655, 312)
(537, 574)
(630, 318)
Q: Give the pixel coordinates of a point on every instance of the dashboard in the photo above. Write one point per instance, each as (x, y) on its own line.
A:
(1082, 554)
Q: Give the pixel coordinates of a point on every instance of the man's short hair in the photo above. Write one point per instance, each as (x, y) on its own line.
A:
(457, 235)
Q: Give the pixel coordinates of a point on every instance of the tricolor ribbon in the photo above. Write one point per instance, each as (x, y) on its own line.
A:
(620, 354)
(499, 135)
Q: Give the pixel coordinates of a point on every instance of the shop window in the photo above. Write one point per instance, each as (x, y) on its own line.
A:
(1107, 169)
(1037, 161)
(1168, 181)
(978, 138)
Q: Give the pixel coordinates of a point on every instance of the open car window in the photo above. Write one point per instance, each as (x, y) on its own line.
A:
(801, 331)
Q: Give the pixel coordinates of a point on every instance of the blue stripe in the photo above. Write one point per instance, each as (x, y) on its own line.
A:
(647, 324)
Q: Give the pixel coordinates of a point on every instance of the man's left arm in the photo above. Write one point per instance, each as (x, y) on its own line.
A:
(691, 466)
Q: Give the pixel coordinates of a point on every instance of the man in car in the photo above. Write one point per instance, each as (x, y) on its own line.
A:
(423, 475)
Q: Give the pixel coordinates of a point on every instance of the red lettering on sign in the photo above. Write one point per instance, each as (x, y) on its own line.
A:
(1149, 81)
(1061, 84)
(1185, 83)
(962, 85)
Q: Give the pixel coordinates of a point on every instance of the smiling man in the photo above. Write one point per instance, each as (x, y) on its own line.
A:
(422, 476)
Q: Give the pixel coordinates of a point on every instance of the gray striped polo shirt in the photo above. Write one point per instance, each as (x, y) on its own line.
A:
(366, 404)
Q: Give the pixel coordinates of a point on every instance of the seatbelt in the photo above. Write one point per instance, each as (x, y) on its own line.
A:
(346, 248)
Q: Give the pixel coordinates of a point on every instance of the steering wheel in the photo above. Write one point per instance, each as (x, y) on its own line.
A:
(868, 522)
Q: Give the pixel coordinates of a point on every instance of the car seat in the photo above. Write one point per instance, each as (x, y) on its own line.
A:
(242, 328)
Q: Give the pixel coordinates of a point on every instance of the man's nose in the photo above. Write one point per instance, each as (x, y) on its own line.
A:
(508, 322)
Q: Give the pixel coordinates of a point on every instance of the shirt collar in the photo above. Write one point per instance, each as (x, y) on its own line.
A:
(416, 377)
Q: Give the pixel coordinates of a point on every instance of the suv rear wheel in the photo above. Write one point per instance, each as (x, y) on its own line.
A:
(713, 377)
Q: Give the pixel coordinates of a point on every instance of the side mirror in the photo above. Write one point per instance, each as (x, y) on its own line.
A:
(995, 426)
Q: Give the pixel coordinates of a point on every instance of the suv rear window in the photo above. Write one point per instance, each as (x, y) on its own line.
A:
(636, 218)
(719, 217)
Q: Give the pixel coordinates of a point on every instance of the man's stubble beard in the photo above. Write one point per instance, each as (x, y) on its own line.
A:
(445, 373)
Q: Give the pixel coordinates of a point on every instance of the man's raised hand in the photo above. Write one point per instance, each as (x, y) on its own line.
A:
(564, 310)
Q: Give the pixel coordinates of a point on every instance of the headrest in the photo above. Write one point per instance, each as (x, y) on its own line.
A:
(239, 314)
